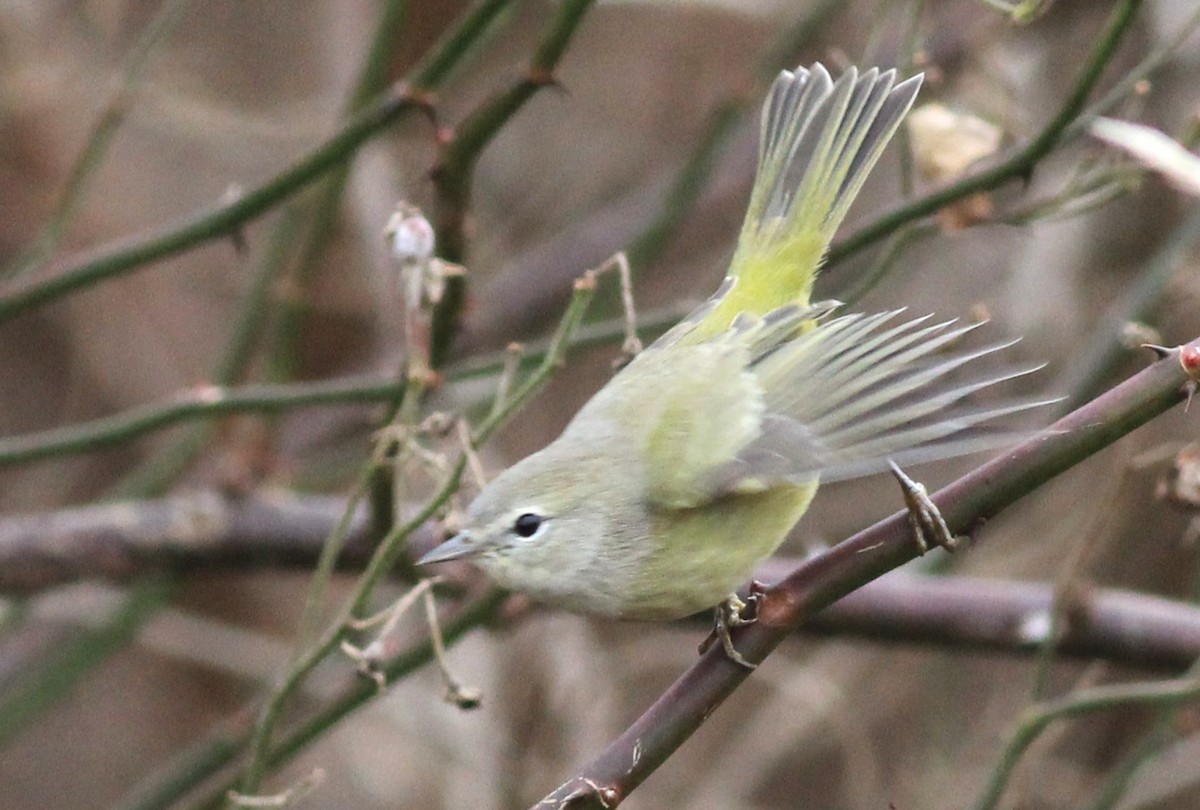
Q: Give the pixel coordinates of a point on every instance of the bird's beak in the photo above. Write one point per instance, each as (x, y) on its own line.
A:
(458, 547)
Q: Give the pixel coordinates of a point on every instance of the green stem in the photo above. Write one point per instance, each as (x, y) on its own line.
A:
(1120, 775)
(209, 403)
(458, 43)
(157, 474)
(102, 134)
(200, 403)
(322, 215)
(77, 659)
(221, 221)
(1101, 698)
(453, 176)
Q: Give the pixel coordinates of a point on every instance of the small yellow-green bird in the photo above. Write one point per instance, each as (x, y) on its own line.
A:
(692, 464)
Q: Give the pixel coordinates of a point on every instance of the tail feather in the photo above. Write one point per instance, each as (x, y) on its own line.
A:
(926, 438)
(820, 138)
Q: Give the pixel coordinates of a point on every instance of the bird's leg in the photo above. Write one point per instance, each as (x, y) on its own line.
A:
(732, 612)
(928, 526)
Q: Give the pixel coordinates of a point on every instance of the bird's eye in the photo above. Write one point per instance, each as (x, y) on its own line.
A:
(527, 524)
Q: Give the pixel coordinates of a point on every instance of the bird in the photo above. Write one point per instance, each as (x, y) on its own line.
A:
(694, 462)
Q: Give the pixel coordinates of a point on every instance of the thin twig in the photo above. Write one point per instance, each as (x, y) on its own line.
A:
(1036, 718)
(156, 474)
(1121, 775)
(124, 255)
(220, 749)
(73, 274)
(209, 402)
(205, 402)
(393, 545)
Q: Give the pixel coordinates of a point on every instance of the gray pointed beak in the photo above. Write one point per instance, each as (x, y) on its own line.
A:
(458, 547)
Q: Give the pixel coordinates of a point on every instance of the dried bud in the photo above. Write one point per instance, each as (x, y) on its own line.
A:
(410, 235)
(1183, 483)
(945, 143)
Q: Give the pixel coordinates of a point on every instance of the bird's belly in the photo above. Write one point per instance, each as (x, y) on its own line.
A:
(702, 555)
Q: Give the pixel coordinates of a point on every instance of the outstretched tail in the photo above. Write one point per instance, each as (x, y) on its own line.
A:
(819, 140)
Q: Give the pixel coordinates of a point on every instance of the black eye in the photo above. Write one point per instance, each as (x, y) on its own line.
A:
(527, 524)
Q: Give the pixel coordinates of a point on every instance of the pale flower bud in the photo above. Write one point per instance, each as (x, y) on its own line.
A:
(410, 235)
(945, 143)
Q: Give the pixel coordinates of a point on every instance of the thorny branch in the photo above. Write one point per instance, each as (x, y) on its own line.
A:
(819, 582)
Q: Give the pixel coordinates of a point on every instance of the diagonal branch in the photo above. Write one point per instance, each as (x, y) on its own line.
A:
(75, 273)
(817, 583)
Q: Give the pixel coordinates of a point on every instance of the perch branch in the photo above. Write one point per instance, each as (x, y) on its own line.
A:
(817, 583)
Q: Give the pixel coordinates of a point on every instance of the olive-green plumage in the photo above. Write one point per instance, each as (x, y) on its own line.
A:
(690, 466)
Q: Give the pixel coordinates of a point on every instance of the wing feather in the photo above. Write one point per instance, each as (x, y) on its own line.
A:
(843, 400)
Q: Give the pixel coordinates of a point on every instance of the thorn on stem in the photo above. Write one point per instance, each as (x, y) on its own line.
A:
(1189, 361)
(540, 77)
(237, 235)
(607, 795)
(425, 100)
(925, 519)
(290, 797)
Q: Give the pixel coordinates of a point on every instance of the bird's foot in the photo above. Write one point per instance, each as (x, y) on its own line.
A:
(733, 612)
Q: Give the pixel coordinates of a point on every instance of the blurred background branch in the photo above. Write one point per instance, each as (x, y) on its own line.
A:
(212, 531)
(132, 392)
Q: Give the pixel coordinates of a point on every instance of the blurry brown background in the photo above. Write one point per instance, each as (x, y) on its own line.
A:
(242, 87)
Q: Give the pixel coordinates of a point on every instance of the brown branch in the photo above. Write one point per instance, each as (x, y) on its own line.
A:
(966, 504)
(1009, 616)
(123, 540)
(274, 529)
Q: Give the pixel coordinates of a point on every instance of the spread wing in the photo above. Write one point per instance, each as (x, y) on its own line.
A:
(862, 390)
(706, 408)
(773, 401)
